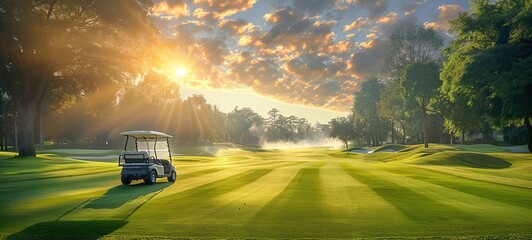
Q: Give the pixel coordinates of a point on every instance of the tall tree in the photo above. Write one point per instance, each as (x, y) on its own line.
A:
(64, 43)
(366, 108)
(241, 125)
(391, 107)
(271, 124)
(419, 85)
(410, 43)
(460, 116)
(490, 61)
(342, 129)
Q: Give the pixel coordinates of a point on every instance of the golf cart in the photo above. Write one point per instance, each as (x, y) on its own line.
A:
(151, 159)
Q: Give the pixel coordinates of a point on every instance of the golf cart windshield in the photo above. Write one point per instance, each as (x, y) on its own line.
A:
(158, 149)
(155, 144)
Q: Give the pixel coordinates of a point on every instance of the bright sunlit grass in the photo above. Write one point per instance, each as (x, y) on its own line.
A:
(293, 193)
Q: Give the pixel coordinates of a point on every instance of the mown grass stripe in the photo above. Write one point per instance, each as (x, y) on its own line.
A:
(517, 196)
(298, 209)
(346, 198)
(411, 202)
(193, 203)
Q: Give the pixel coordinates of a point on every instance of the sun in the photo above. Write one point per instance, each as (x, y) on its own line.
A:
(180, 72)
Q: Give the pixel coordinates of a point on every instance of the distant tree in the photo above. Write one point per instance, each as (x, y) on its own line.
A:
(391, 107)
(365, 108)
(7, 116)
(490, 61)
(410, 43)
(419, 84)
(82, 44)
(219, 122)
(240, 125)
(272, 130)
(303, 128)
(342, 129)
(460, 116)
(359, 128)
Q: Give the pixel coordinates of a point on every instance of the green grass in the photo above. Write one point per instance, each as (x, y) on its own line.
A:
(446, 191)
(390, 147)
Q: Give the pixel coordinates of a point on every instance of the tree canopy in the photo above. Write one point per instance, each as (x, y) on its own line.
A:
(68, 45)
(410, 43)
(490, 61)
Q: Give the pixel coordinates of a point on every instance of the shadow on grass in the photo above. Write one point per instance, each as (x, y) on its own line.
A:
(414, 203)
(467, 159)
(68, 230)
(120, 195)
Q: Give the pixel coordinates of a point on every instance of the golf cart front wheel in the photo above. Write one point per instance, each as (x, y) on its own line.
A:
(125, 180)
(172, 177)
(151, 178)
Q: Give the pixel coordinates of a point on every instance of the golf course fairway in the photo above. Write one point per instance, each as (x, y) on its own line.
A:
(443, 191)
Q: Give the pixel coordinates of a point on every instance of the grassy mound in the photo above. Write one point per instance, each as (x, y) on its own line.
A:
(485, 148)
(468, 159)
(433, 148)
(390, 148)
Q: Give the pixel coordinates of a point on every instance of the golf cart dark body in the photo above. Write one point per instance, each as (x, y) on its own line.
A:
(151, 159)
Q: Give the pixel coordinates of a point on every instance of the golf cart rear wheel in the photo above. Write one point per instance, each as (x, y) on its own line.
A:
(151, 178)
(172, 177)
(125, 180)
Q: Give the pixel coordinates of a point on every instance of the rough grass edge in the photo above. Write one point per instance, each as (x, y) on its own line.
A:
(5, 236)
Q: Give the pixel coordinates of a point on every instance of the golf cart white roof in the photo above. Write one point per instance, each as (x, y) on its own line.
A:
(145, 134)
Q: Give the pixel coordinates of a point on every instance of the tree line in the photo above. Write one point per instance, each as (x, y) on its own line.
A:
(67, 58)
(155, 104)
(428, 93)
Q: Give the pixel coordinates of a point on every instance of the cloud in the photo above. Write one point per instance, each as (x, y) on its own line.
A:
(447, 13)
(358, 24)
(185, 32)
(369, 60)
(212, 50)
(390, 18)
(294, 56)
(292, 30)
(237, 27)
(313, 7)
(375, 7)
(411, 6)
(171, 9)
(217, 9)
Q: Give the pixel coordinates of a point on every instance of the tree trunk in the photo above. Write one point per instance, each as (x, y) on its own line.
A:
(425, 130)
(529, 130)
(15, 138)
(41, 125)
(393, 133)
(404, 132)
(26, 130)
(463, 137)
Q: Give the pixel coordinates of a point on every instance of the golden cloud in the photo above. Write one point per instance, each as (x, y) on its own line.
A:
(358, 24)
(171, 10)
(390, 18)
(447, 13)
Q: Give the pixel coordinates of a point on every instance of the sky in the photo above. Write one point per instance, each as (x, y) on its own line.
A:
(306, 58)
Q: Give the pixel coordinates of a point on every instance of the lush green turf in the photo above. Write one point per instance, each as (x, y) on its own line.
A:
(300, 193)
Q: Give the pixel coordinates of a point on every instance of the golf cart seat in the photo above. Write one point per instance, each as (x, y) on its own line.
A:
(167, 166)
(135, 157)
